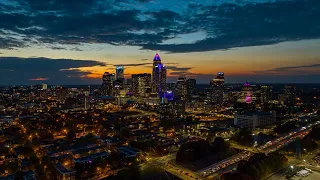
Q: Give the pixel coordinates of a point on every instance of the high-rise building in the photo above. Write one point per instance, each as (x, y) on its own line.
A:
(290, 95)
(108, 84)
(181, 88)
(266, 94)
(141, 84)
(191, 87)
(159, 76)
(119, 72)
(44, 86)
(217, 88)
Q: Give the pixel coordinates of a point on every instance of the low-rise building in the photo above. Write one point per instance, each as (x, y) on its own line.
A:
(64, 173)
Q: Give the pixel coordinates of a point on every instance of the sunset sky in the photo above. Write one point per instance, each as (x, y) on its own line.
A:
(76, 41)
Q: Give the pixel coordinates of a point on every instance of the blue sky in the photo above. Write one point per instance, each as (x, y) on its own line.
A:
(272, 41)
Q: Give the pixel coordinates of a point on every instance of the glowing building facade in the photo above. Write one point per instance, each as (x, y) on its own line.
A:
(119, 72)
(159, 76)
(141, 84)
(108, 84)
(181, 88)
(217, 88)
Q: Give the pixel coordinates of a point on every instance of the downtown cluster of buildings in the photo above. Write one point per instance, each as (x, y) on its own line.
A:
(154, 89)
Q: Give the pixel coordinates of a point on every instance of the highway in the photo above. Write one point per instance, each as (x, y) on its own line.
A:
(269, 147)
(230, 163)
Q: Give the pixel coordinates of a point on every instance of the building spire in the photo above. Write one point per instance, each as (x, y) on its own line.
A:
(157, 57)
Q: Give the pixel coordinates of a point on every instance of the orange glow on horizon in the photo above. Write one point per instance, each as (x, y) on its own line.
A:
(39, 79)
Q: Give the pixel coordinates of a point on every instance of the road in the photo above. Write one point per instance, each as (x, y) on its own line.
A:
(269, 147)
(279, 175)
(214, 170)
(166, 164)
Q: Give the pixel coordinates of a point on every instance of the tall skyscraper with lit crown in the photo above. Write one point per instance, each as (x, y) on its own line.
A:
(159, 76)
(119, 72)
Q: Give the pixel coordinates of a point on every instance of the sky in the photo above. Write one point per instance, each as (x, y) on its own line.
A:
(76, 41)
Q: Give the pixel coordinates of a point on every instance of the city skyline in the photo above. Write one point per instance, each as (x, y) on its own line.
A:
(65, 44)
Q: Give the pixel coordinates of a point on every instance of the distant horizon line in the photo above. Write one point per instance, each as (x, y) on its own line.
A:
(252, 83)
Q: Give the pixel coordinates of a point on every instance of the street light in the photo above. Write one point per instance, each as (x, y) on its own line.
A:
(291, 168)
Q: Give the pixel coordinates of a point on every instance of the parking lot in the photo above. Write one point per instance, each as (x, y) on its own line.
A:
(313, 176)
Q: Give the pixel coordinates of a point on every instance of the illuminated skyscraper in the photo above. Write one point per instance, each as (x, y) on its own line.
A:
(159, 76)
(119, 81)
(217, 87)
(180, 96)
(141, 84)
(266, 94)
(181, 88)
(290, 95)
(119, 72)
(191, 87)
(107, 84)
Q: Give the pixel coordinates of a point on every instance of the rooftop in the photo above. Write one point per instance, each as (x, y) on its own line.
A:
(64, 170)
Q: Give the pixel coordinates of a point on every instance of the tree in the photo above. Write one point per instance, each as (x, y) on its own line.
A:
(71, 134)
(125, 133)
(39, 170)
(243, 137)
(34, 159)
(19, 175)
(220, 145)
(26, 150)
(253, 172)
(192, 151)
(12, 167)
(131, 173)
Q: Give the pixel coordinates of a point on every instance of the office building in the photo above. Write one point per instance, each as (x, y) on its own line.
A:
(191, 88)
(254, 119)
(167, 111)
(120, 80)
(248, 94)
(159, 76)
(119, 72)
(141, 84)
(44, 86)
(266, 94)
(64, 173)
(290, 95)
(217, 88)
(108, 84)
(181, 88)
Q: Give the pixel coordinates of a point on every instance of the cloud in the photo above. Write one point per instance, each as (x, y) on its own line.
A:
(58, 48)
(26, 70)
(147, 24)
(133, 65)
(175, 68)
(76, 49)
(39, 79)
(294, 67)
(231, 25)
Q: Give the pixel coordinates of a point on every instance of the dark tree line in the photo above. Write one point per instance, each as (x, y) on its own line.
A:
(260, 165)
